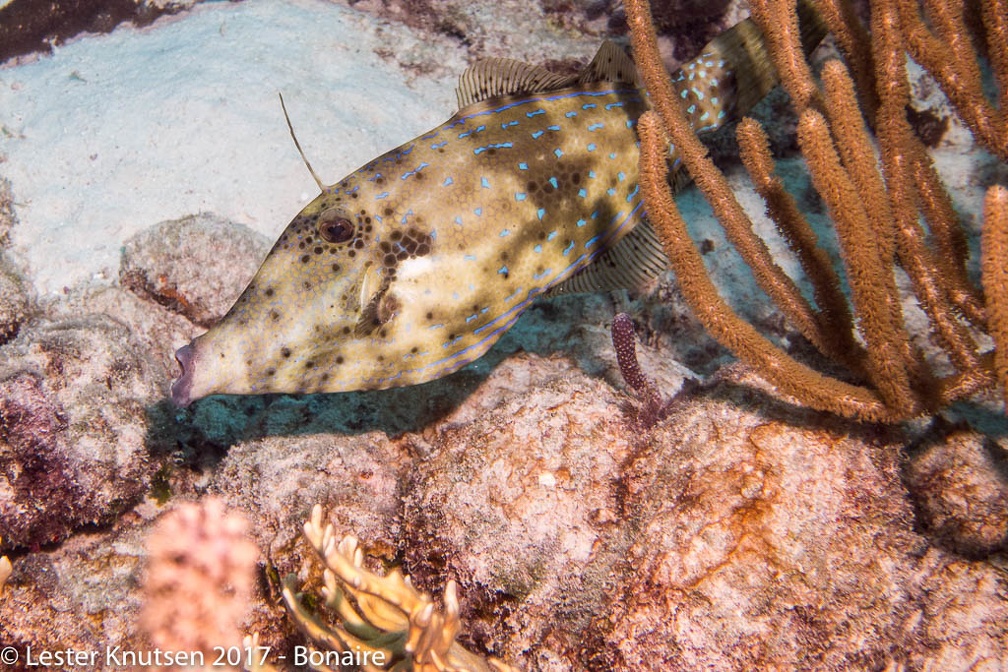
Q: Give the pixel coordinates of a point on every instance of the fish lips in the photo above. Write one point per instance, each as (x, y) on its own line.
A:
(181, 390)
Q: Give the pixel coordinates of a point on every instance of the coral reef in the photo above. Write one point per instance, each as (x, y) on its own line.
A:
(539, 518)
(902, 185)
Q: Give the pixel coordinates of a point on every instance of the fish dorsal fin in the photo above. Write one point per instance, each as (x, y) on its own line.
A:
(504, 77)
(631, 263)
(610, 64)
(507, 77)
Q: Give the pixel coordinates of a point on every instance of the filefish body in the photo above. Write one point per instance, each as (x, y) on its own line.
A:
(415, 264)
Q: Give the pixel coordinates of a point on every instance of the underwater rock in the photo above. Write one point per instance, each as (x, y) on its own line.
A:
(277, 480)
(195, 266)
(770, 538)
(513, 498)
(73, 423)
(82, 594)
(8, 218)
(154, 328)
(14, 300)
(960, 487)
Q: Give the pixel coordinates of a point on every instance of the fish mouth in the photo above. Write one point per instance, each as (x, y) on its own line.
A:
(181, 390)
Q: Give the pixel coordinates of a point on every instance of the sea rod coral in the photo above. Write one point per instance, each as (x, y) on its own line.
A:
(888, 205)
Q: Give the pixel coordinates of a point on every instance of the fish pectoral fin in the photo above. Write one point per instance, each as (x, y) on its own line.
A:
(631, 263)
(379, 310)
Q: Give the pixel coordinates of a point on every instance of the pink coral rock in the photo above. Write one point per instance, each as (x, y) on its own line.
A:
(960, 487)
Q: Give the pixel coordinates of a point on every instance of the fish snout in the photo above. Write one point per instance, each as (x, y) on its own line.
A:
(181, 390)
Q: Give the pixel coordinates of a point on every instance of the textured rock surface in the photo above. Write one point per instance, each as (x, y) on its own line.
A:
(73, 425)
(192, 265)
(82, 594)
(515, 502)
(960, 486)
(277, 480)
(778, 540)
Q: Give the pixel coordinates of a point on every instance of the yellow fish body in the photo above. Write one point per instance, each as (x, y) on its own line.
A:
(415, 264)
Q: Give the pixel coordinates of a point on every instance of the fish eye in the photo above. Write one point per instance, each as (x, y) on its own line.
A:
(335, 228)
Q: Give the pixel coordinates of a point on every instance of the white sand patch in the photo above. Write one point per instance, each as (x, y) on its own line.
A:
(117, 132)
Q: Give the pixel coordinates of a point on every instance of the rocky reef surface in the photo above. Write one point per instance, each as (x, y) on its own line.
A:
(738, 532)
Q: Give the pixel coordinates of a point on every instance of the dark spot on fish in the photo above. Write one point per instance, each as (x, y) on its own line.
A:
(268, 291)
(339, 359)
(351, 254)
(367, 220)
(430, 315)
(305, 258)
(382, 333)
(318, 249)
(325, 377)
(387, 212)
(306, 285)
(309, 364)
(271, 371)
(335, 268)
(285, 352)
(379, 180)
(354, 195)
(414, 350)
(531, 187)
(346, 330)
(576, 178)
(274, 315)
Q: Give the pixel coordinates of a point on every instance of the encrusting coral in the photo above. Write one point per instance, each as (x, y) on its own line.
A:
(887, 203)
(384, 623)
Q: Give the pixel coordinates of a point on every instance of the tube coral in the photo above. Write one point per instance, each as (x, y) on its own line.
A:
(887, 203)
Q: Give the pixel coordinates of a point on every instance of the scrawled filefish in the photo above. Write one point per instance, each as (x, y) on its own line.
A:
(415, 265)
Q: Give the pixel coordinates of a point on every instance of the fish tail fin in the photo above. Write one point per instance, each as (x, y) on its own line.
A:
(297, 144)
(738, 69)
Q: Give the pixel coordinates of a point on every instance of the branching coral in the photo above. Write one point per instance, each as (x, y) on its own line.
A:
(384, 623)
(887, 203)
(200, 578)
